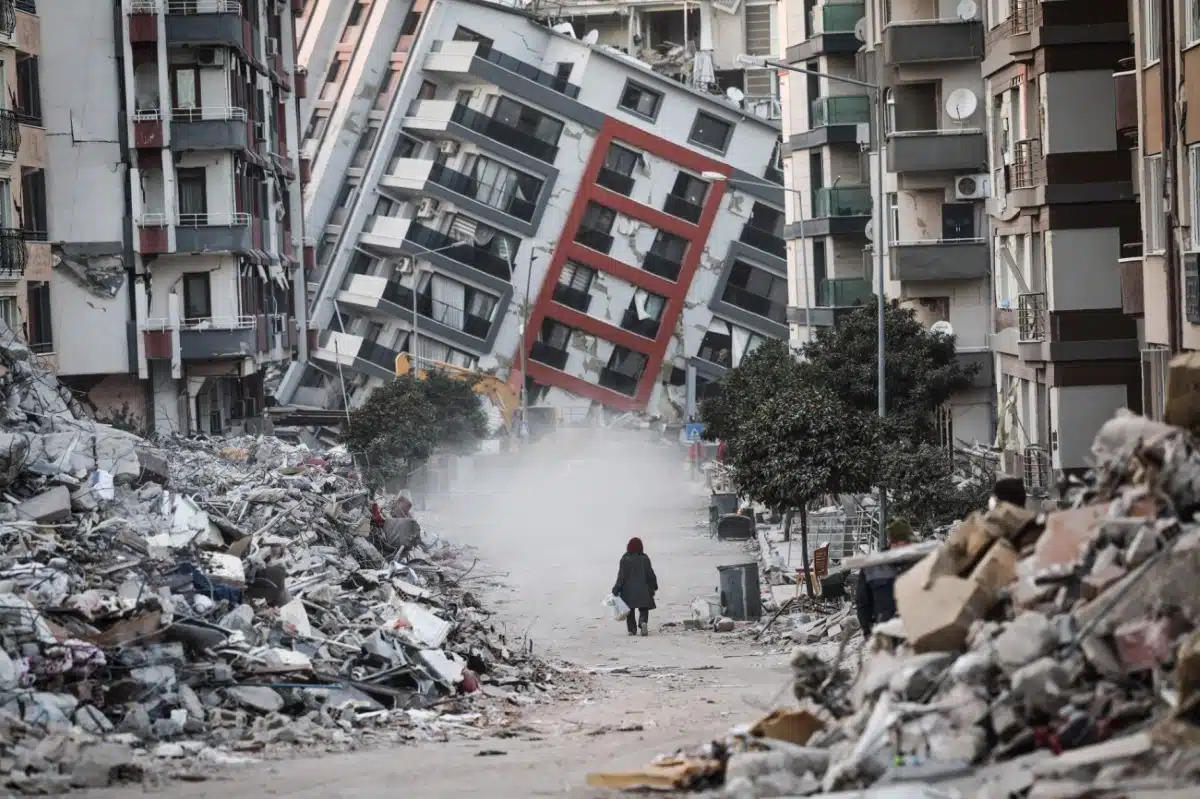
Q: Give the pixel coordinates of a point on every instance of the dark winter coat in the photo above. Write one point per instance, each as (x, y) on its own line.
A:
(636, 582)
(874, 597)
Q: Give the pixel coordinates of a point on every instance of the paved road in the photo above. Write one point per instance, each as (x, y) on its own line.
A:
(552, 532)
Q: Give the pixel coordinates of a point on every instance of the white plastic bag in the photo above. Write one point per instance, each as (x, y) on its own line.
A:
(618, 607)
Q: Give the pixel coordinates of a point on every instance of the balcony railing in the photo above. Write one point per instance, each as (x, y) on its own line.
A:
(594, 239)
(10, 131)
(842, 110)
(504, 133)
(551, 356)
(8, 18)
(1031, 316)
(836, 17)
(843, 292)
(437, 311)
(682, 208)
(764, 240)
(211, 219)
(1028, 167)
(489, 195)
(28, 6)
(1039, 472)
(842, 201)
(572, 297)
(378, 354)
(203, 7)
(466, 253)
(560, 85)
(756, 304)
(645, 327)
(618, 382)
(659, 265)
(615, 181)
(12, 253)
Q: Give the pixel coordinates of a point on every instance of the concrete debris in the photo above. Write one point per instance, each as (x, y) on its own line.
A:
(177, 604)
(1052, 654)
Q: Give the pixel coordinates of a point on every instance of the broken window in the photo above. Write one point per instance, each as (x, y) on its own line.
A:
(640, 100)
(197, 297)
(717, 345)
(39, 331)
(34, 222)
(710, 132)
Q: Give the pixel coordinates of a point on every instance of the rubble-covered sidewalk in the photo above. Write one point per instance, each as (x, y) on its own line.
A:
(1052, 655)
(165, 609)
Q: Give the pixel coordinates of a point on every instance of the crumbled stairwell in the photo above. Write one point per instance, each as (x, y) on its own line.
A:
(102, 275)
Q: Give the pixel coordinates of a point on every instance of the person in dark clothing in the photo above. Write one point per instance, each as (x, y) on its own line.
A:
(636, 585)
(874, 594)
(1008, 489)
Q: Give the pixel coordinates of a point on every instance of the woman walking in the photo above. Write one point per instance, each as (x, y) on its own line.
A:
(636, 585)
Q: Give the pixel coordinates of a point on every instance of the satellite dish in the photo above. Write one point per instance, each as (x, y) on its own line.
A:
(967, 10)
(869, 230)
(735, 95)
(591, 37)
(565, 28)
(942, 328)
(961, 104)
(860, 30)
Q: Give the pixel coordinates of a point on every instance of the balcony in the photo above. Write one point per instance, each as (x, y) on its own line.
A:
(8, 18)
(205, 22)
(618, 382)
(831, 30)
(764, 240)
(1031, 316)
(458, 57)
(646, 328)
(937, 151)
(215, 128)
(465, 253)
(213, 232)
(1125, 84)
(412, 177)
(615, 181)
(13, 254)
(529, 71)
(836, 17)
(844, 292)
(575, 298)
(659, 265)
(947, 259)
(1028, 168)
(842, 201)
(10, 134)
(215, 338)
(594, 239)
(504, 133)
(924, 41)
(550, 356)
(840, 110)
(773, 174)
(378, 355)
(1133, 290)
(683, 209)
(755, 304)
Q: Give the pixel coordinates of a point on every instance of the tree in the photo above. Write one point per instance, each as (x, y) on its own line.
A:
(402, 423)
(757, 378)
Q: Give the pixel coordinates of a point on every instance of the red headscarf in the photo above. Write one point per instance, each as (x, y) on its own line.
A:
(634, 545)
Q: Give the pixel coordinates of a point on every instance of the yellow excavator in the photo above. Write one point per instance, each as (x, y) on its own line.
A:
(503, 398)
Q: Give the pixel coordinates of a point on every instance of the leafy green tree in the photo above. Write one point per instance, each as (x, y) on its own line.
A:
(759, 375)
(403, 422)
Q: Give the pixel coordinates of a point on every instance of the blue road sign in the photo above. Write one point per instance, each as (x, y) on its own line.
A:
(693, 432)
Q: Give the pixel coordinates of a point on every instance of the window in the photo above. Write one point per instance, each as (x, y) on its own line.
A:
(193, 195)
(554, 334)
(406, 147)
(185, 91)
(690, 188)
(597, 217)
(629, 364)
(197, 296)
(576, 276)
(335, 71)
(527, 120)
(9, 313)
(621, 160)
(462, 34)
(890, 111)
(356, 12)
(669, 246)
(1151, 22)
(502, 187)
(411, 22)
(428, 90)
(39, 332)
(1194, 194)
(29, 90)
(563, 71)
(386, 207)
(767, 219)
(640, 100)
(893, 221)
(366, 143)
(710, 132)
(1152, 202)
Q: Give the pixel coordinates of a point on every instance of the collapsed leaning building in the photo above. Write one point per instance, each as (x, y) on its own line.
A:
(478, 167)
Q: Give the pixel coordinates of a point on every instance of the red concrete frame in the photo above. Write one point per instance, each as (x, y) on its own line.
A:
(674, 292)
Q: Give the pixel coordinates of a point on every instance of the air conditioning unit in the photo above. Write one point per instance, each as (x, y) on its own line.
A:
(448, 147)
(272, 46)
(404, 263)
(972, 187)
(210, 57)
(427, 208)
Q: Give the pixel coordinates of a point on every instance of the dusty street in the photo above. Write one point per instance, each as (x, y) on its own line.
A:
(548, 536)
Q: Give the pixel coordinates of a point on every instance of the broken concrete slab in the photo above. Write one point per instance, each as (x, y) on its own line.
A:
(48, 507)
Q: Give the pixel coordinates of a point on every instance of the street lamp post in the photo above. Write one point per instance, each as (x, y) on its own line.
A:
(718, 176)
(416, 271)
(523, 425)
(877, 249)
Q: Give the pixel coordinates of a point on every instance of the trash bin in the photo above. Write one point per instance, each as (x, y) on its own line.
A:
(740, 593)
(735, 527)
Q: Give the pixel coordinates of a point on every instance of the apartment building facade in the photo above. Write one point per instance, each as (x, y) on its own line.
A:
(1063, 213)
(519, 178)
(1161, 275)
(25, 258)
(175, 224)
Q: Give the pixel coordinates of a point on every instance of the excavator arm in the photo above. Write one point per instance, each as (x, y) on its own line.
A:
(502, 397)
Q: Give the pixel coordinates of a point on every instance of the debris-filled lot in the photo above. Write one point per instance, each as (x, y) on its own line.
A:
(1043, 655)
(167, 609)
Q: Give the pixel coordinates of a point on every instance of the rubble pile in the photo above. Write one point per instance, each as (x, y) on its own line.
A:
(1051, 654)
(164, 608)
